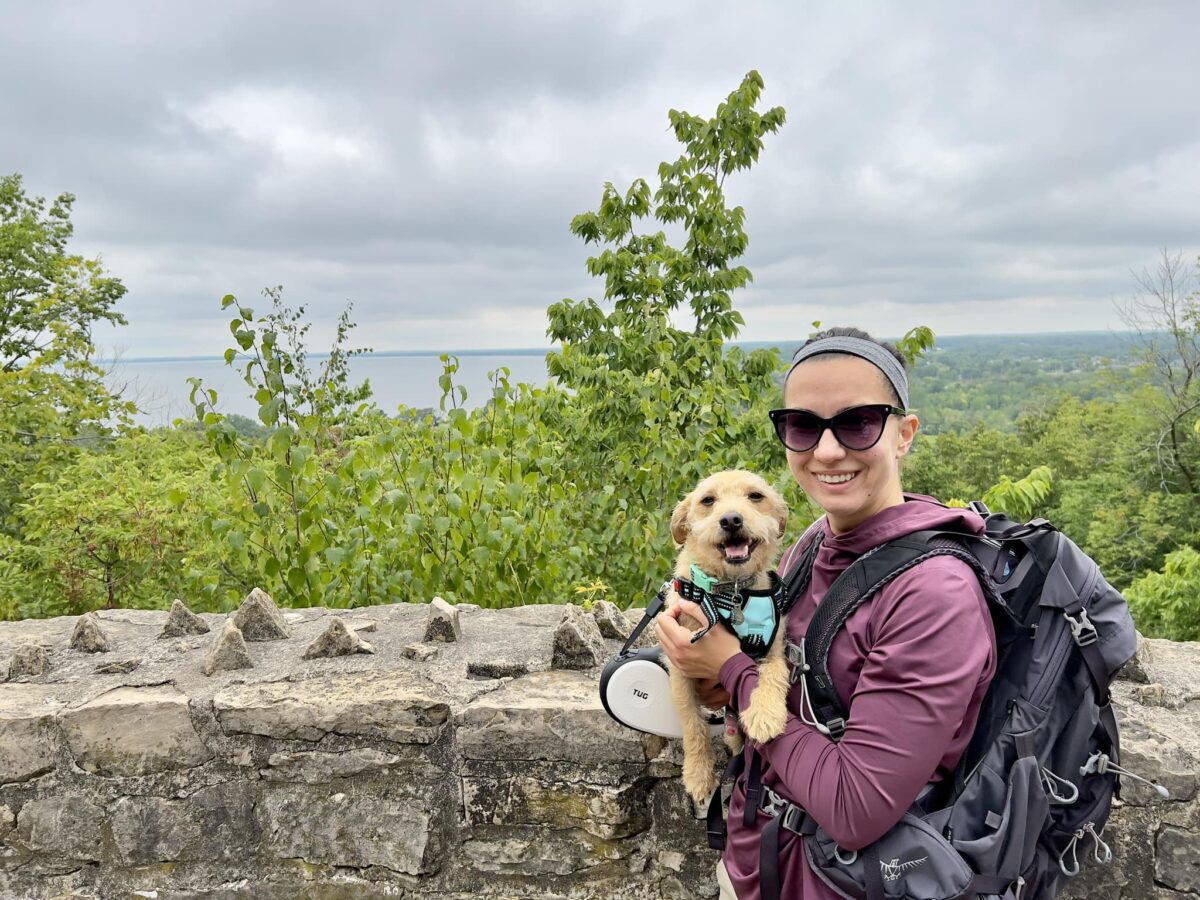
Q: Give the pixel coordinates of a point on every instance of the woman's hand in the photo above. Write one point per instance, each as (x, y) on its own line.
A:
(703, 659)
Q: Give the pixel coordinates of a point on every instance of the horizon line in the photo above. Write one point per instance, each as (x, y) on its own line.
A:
(531, 351)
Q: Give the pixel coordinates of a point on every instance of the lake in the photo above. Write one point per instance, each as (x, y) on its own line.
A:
(160, 388)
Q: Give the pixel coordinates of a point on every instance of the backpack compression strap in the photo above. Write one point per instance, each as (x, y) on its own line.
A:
(857, 584)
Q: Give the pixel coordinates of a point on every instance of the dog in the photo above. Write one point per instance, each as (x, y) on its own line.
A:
(730, 527)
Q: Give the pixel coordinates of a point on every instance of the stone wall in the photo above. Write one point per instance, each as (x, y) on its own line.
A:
(445, 755)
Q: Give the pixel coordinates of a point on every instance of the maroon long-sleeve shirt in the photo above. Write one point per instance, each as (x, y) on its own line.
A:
(912, 666)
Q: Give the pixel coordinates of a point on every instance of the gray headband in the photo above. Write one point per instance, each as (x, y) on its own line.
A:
(863, 349)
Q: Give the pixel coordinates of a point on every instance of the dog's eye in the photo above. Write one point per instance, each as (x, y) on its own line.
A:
(756, 496)
(708, 501)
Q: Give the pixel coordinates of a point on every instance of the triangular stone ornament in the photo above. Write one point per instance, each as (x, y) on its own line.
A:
(228, 651)
(259, 619)
(88, 636)
(337, 640)
(182, 621)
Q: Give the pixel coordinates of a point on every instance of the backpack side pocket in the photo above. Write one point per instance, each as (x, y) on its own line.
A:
(1006, 839)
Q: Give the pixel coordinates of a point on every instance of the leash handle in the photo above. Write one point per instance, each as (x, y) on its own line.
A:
(653, 609)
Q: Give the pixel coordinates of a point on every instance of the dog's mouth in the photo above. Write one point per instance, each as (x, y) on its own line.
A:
(737, 551)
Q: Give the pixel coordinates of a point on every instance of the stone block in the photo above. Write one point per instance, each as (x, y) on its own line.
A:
(27, 730)
(212, 824)
(603, 811)
(228, 652)
(151, 829)
(550, 715)
(611, 620)
(523, 850)
(88, 636)
(259, 619)
(338, 639)
(133, 731)
(29, 660)
(322, 767)
(181, 621)
(338, 829)
(1177, 860)
(68, 827)
(578, 643)
(443, 624)
(395, 706)
(419, 652)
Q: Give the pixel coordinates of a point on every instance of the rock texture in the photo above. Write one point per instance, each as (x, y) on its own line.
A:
(181, 621)
(443, 624)
(482, 771)
(578, 642)
(88, 636)
(611, 620)
(259, 619)
(337, 640)
(228, 651)
(29, 660)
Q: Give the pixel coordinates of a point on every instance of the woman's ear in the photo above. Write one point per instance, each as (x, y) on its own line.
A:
(679, 520)
(908, 432)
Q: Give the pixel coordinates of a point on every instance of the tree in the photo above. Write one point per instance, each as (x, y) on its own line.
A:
(1165, 317)
(52, 393)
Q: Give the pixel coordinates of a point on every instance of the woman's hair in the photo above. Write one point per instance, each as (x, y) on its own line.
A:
(850, 331)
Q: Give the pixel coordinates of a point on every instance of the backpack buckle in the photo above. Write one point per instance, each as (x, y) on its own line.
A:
(794, 654)
(772, 803)
(1082, 629)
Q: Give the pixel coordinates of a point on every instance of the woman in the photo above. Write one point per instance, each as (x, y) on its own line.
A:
(912, 664)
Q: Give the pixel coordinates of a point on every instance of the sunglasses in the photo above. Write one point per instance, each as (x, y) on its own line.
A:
(859, 428)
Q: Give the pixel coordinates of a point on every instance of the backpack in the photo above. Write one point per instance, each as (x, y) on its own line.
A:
(1029, 799)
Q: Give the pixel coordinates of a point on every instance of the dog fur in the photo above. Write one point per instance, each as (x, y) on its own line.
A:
(696, 526)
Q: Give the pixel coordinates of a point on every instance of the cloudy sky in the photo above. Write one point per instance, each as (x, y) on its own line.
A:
(974, 168)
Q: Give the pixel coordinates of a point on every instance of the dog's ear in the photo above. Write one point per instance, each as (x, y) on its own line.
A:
(679, 520)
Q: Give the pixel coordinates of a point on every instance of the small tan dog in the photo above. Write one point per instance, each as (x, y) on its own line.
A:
(729, 527)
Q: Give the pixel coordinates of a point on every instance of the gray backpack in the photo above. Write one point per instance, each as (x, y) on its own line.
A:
(1029, 799)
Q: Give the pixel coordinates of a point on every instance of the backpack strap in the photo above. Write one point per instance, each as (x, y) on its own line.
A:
(858, 583)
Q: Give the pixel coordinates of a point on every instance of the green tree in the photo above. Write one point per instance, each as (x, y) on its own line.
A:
(1164, 604)
(656, 405)
(1165, 317)
(51, 390)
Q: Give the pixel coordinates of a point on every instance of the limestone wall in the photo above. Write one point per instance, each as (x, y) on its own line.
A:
(463, 768)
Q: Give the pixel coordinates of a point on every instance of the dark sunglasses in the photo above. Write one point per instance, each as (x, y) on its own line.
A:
(859, 428)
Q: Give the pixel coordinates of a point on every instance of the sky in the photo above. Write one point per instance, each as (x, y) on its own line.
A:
(975, 168)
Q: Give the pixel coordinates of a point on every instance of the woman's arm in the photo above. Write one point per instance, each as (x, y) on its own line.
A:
(932, 641)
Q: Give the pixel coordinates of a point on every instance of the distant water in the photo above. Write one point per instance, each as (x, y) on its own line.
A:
(160, 388)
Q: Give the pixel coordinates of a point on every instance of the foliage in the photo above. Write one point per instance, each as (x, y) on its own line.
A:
(656, 406)
(340, 506)
(1165, 314)
(116, 526)
(1164, 604)
(51, 391)
(1020, 499)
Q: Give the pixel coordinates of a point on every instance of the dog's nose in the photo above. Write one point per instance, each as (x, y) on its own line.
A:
(731, 521)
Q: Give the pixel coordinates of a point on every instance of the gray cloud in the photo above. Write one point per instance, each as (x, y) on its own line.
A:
(974, 169)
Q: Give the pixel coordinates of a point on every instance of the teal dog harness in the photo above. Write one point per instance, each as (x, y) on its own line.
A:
(753, 615)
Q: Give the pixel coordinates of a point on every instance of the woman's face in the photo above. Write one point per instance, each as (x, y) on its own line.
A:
(827, 385)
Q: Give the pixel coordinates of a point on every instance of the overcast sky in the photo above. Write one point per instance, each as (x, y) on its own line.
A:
(973, 168)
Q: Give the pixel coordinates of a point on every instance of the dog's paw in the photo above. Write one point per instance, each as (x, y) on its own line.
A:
(699, 781)
(764, 721)
(735, 742)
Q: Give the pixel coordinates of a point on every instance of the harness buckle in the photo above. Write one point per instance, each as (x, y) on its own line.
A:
(836, 728)
(1082, 629)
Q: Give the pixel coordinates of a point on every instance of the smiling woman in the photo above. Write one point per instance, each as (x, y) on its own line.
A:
(911, 664)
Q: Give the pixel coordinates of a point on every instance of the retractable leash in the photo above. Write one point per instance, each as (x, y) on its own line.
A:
(635, 685)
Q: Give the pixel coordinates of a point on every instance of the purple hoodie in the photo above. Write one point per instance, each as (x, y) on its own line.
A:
(911, 665)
